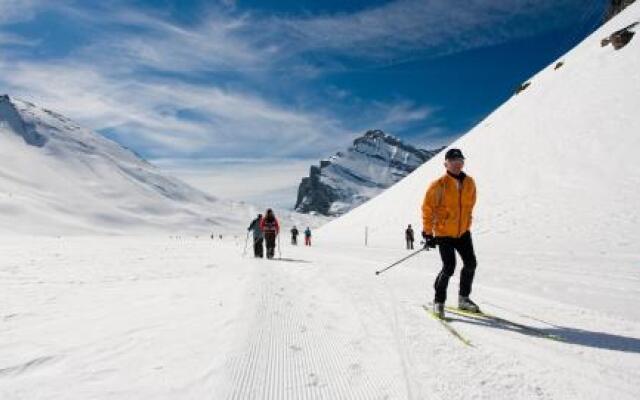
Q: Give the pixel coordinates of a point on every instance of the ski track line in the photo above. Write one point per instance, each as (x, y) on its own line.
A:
(294, 352)
(244, 368)
(364, 298)
(27, 366)
(388, 383)
(399, 341)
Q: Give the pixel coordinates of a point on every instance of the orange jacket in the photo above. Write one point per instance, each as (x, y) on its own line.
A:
(447, 206)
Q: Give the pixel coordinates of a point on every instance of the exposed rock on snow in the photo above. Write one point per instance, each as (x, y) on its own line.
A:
(523, 87)
(616, 6)
(620, 38)
(374, 162)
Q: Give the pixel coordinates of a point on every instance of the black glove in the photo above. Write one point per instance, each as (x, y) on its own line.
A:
(429, 240)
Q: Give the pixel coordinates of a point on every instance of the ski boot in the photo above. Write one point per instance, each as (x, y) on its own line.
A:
(465, 303)
(438, 310)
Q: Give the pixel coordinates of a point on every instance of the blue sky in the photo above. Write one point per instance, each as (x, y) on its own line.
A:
(208, 88)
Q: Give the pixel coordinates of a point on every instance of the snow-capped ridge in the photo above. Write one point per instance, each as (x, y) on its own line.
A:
(62, 177)
(11, 116)
(346, 179)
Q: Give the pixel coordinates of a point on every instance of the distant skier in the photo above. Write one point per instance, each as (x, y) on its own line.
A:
(408, 235)
(307, 237)
(258, 247)
(294, 236)
(446, 214)
(270, 228)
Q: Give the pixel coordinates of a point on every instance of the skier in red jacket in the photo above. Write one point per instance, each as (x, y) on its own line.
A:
(270, 228)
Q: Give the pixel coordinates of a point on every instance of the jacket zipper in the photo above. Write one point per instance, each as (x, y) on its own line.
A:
(460, 183)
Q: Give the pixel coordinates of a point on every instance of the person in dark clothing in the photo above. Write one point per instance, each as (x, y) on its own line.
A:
(270, 229)
(447, 214)
(307, 237)
(294, 236)
(258, 248)
(408, 235)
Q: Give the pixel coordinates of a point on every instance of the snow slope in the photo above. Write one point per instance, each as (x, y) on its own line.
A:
(59, 178)
(556, 166)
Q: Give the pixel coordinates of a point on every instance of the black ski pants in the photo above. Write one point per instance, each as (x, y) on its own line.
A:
(448, 247)
(270, 240)
(258, 247)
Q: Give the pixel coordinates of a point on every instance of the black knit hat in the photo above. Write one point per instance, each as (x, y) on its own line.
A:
(453, 154)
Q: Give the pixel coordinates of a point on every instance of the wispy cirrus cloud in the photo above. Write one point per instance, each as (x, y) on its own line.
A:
(165, 118)
(9, 39)
(15, 11)
(12, 11)
(403, 112)
(208, 87)
(224, 39)
(102, 85)
(402, 30)
(152, 41)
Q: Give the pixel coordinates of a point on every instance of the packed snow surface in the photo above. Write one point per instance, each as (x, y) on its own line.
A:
(191, 318)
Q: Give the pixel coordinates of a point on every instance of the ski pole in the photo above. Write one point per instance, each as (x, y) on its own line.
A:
(279, 252)
(244, 252)
(402, 260)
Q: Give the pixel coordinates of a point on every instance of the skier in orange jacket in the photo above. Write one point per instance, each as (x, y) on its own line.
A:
(446, 216)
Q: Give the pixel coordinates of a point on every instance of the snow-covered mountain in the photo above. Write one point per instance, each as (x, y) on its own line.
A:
(556, 166)
(56, 177)
(373, 163)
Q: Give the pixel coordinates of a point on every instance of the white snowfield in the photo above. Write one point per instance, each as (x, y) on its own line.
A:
(557, 239)
(59, 178)
(187, 318)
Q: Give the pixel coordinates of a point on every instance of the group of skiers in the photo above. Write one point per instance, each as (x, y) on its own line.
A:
(266, 229)
(446, 216)
(295, 233)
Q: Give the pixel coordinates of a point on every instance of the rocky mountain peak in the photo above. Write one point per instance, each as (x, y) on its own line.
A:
(374, 162)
